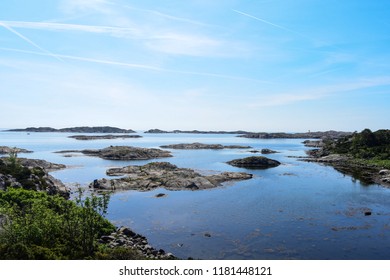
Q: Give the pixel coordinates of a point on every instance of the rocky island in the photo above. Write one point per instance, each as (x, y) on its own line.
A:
(103, 137)
(79, 129)
(200, 146)
(123, 153)
(163, 175)
(255, 162)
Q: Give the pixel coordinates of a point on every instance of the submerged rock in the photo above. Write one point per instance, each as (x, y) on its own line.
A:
(163, 175)
(255, 162)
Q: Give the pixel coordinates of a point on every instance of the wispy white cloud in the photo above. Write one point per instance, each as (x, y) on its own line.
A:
(295, 96)
(74, 6)
(137, 66)
(156, 39)
(184, 44)
(166, 16)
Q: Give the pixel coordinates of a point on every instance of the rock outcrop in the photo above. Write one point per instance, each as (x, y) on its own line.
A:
(314, 143)
(200, 146)
(383, 177)
(45, 165)
(126, 238)
(8, 150)
(255, 162)
(163, 175)
(31, 174)
(267, 151)
(123, 153)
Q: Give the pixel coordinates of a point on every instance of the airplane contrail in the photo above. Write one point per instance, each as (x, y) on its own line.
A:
(29, 41)
(132, 65)
(270, 23)
(67, 26)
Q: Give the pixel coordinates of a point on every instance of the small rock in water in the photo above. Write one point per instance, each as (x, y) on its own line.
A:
(160, 195)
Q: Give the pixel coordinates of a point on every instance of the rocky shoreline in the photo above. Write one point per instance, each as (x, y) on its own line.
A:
(346, 164)
(124, 237)
(367, 174)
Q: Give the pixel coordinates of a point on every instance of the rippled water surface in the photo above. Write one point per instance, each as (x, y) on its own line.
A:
(298, 210)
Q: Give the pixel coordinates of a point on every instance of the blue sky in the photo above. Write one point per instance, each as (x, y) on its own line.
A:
(265, 65)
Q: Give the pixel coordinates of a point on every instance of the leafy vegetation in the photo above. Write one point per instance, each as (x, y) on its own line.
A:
(372, 148)
(35, 225)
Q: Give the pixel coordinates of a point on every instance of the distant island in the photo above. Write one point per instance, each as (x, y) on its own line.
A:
(156, 130)
(264, 135)
(331, 134)
(201, 146)
(79, 129)
(103, 137)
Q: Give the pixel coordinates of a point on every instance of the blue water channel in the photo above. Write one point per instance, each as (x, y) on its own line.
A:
(298, 210)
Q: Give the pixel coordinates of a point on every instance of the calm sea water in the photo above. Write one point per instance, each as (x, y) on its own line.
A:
(298, 210)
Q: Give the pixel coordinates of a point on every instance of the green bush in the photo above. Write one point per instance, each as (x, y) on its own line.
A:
(36, 225)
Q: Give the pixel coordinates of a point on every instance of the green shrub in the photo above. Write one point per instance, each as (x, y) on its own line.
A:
(36, 225)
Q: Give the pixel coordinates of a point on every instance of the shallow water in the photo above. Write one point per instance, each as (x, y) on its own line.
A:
(298, 210)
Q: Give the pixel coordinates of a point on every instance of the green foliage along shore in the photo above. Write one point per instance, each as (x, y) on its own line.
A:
(35, 225)
(367, 146)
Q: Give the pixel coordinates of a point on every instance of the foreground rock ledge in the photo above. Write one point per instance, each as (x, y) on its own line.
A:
(124, 153)
(8, 150)
(258, 162)
(163, 175)
(39, 179)
(126, 238)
